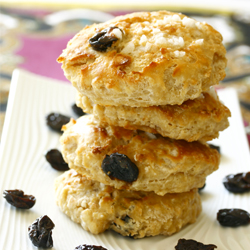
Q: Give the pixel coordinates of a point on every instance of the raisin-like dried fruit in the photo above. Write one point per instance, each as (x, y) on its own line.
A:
(55, 121)
(201, 188)
(121, 167)
(40, 232)
(102, 40)
(126, 218)
(77, 110)
(246, 177)
(238, 183)
(233, 217)
(214, 147)
(54, 157)
(184, 244)
(18, 199)
(90, 247)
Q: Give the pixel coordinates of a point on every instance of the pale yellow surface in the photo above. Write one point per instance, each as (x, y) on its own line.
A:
(162, 58)
(136, 214)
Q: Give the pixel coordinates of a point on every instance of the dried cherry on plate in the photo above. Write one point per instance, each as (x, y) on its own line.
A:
(246, 177)
(18, 199)
(40, 232)
(214, 147)
(77, 110)
(201, 188)
(184, 244)
(237, 183)
(120, 166)
(55, 159)
(89, 247)
(233, 217)
(56, 120)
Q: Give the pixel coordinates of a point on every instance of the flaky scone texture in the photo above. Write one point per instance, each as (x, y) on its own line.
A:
(198, 119)
(98, 207)
(165, 165)
(159, 58)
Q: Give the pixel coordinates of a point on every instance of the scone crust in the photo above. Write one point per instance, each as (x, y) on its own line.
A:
(165, 165)
(199, 119)
(98, 207)
(162, 58)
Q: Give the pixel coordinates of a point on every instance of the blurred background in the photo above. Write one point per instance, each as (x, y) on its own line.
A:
(34, 33)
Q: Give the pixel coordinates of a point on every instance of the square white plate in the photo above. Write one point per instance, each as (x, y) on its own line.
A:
(26, 138)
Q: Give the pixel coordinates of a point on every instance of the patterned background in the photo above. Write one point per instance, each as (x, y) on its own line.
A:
(32, 39)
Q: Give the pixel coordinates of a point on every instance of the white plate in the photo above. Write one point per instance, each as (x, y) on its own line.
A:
(23, 166)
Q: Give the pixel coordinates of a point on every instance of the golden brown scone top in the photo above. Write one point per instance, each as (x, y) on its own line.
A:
(156, 52)
(165, 165)
(93, 138)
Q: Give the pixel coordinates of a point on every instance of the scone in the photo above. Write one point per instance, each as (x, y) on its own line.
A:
(164, 165)
(98, 207)
(198, 119)
(145, 59)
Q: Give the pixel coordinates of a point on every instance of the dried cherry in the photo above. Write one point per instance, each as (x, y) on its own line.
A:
(102, 40)
(237, 183)
(55, 121)
(233, 217)
(54, 157)
(40, 232)
(77, 110)
(18, 199)
(201, 188)
(89, 247)
(214, 147)
(184, 244)
(121, 167)
(246, 177)
(126, 218)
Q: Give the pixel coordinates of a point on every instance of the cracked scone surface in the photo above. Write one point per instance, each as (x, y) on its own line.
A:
(98, 207)
(165, 165)
(159, 58)
(198, 119)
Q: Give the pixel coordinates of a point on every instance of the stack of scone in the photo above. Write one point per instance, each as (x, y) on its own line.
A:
(139, 158)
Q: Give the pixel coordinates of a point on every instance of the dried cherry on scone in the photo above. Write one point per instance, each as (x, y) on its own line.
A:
(120, 166)
(105, 38)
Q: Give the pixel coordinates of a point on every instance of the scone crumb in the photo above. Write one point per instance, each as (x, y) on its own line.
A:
(148, 46)
(178, 53)
(199, 41)
(117, 33)
(176, 18)
(178, 41)
(188, 22)
(156, 30)
(174, 152)
(161, 40)
(212, 92)
(151, 136)
(143, 40)
(129, 48)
